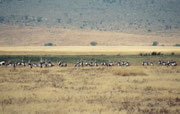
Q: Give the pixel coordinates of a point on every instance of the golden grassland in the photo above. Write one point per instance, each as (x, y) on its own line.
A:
(38, 36)
(86, 50)
(90, 90)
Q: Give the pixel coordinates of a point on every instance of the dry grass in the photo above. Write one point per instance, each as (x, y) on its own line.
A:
(86, 50)
(38, 36)
(90, 90)
(129, 72)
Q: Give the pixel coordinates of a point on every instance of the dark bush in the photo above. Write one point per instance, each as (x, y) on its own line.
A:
(149, 30)
(49, 44)
(172, 53)
(153, 53)
(26, 17)
(59, 20)
(141, 54)
(178, 45)
(1, 19)
(155, 43)
(156, 53)
(39, 19)
(93, 43)
(159, 53)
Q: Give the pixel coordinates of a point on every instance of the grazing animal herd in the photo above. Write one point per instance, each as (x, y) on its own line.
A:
(83, 64)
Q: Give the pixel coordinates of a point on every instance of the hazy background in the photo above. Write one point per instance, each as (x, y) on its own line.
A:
(107, 15)
(124, 16)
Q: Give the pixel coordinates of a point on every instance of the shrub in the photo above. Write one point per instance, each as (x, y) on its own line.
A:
(153, 53)
(39, 19)
(149, 30)
(178, 45)
(26, 17)
(59, 20)
(156, 53)
(155, 43)
(172, 53)
(1, 19)
(93, 43)
(49, 44)
(159, 53)
(140, 54)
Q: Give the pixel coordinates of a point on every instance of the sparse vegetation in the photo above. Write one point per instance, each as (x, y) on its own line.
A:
(143, 21)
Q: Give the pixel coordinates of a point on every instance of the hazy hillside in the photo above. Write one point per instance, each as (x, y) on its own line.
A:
(107, 15)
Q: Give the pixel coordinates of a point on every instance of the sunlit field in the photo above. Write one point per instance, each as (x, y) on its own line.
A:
(87, 50)
(89, 57)
(134, 89)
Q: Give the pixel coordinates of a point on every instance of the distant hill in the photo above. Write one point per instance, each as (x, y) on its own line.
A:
(132, 16)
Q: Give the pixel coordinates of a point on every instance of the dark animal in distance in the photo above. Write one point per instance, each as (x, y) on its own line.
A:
(61, 64)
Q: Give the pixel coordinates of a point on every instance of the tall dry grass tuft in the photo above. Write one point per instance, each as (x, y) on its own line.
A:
(129, 72)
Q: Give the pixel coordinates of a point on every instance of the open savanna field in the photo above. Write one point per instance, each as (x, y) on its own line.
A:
(90, 90)
(87, 50)
(38, 36)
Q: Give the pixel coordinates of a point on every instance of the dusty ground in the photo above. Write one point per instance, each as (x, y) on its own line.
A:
(38, 36)
(98, 90)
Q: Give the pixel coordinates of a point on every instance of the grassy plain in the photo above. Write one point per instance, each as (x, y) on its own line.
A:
(90, 90)
(87, 50)
(38, 36)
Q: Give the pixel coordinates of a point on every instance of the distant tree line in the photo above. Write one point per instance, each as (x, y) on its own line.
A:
(109, 1)
(49, 44)
(151, 54)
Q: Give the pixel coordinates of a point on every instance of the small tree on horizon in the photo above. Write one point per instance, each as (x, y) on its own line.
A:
(178, 45)
(49, 44)
(93, 43)
(155, 43)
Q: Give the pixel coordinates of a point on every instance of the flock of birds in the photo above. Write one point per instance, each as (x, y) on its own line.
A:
(82, 64)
